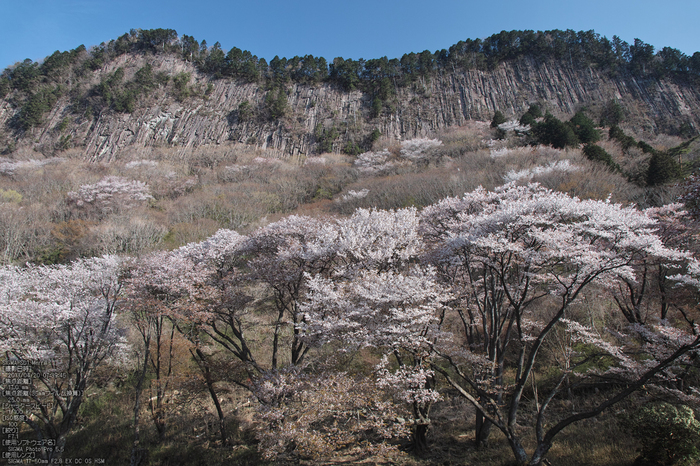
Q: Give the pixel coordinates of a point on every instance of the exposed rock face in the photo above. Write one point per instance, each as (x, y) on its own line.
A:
(212, 117)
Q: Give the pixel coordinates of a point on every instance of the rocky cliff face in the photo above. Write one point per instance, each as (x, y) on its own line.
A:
(211, 116)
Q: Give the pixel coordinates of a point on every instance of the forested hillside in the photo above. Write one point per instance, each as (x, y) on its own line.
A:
(153, 88)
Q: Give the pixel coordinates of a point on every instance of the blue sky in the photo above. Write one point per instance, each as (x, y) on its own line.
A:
(351, 29)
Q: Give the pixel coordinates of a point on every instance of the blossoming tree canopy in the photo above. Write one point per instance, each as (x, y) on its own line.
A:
(59, 322)
(378, 296)
(474, 290)
(504, 251)
(40, 305)
(110, 193)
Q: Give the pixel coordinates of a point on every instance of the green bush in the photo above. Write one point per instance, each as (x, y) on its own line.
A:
(4, 87)
(527, 119)
(245, 111)
(584, 128)
(276, 103)
(351, 148)
(553, 132)
(122, 96)
(377, 107)
(181, 83)
(612, 114)
(531, 115)
(668, 434)
(498, 118)
(325, 138)
(662, 169)
(535, 111)
(598, 154)
(646, 148)
(625, 141)
(32, 112)
(10, 196)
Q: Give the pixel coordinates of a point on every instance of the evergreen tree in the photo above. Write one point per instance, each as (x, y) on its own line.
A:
(554, 132)
(598, 154)
(584, 128)
(497, 119)
(662, 169)
(612, 114)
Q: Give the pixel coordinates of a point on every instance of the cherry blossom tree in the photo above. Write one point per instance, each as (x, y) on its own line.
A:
(110, 194)
(474, 291)
(518, 259)
(419, 151)
(58, 323)
(282, 254)
(413, 151)
(396, 313)
(378, 297)
(651, 294)
(375, 163)
(203, 287)
(190, 287)
(147, 299)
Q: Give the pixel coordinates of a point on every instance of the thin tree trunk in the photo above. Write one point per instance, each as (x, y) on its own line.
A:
(158, 411)
(482, 430)
(136, 451)
(204, 366)
(275, 339)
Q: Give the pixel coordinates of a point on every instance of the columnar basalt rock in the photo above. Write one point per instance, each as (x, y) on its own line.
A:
(210, 115)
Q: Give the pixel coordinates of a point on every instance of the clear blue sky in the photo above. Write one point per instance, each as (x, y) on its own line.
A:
(330, 28)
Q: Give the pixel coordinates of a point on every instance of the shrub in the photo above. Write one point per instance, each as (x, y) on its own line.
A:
(32, 112)
(532, 113)
(181, 83)
(10, 195)
(374, 135)
(668, 434)
(584, 128)
(498, 118)
(555, 133)
(527, 119)
(598, 154)
(612, 114)
(4, 87)
(276, 103)
(662, 169)
(325, 138)
(625, 141)
(351, 148)
(646, 148)
(535, 111)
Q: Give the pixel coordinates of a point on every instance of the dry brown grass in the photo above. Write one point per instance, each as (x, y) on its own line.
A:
(238, 186)
(460, 140)
(229, 186)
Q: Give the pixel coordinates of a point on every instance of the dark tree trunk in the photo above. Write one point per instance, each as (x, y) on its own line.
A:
(420, 438)
(204, 366)
(136, 450)
(482, 429)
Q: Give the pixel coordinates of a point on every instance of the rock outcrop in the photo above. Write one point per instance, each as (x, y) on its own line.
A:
(211, 116)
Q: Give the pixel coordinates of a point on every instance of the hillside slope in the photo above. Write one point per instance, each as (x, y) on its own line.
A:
(322, 117)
